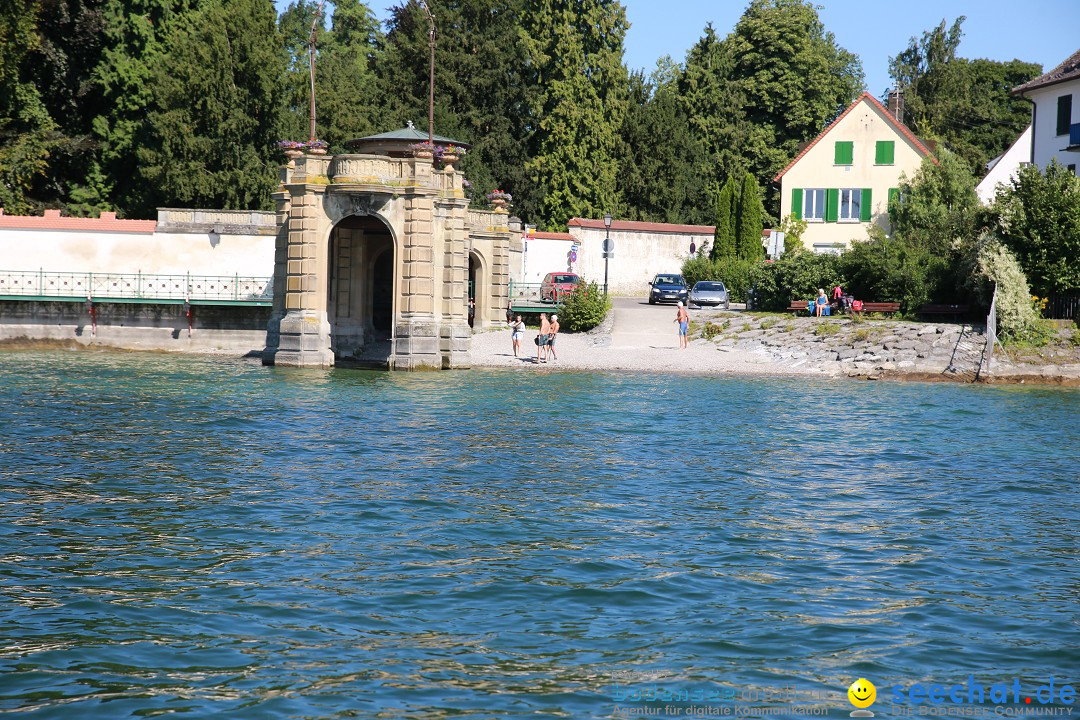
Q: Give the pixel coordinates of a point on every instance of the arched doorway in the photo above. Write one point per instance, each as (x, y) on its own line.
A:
(477, 292)
(360, 306)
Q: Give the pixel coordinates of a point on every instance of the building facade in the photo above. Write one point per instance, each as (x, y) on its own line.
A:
(846, 178)
(1055, 115)
(1001, 171)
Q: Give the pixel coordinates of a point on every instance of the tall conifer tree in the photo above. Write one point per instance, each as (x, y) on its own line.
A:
(574, 49)
(726, 214)
(750, 220)
(217, 110)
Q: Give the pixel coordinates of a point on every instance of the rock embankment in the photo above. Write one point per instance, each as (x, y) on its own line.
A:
(858, 347)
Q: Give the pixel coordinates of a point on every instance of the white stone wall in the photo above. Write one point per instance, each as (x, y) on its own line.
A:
(639, 255)
(542, 256)
(1004, 170)
(125, 252)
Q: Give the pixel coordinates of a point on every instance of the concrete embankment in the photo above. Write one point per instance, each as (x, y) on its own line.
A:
(229, 329)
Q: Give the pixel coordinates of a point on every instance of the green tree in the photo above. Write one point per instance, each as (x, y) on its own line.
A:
(26, 129)
(481, 97)
(724, 236)
(938, 207)
(216, 111)
(794, 79)
(1039, 218)
(749, 222)
(658, 178)
(965, 103)
(574, 51)
(713, 105)
(348, 99)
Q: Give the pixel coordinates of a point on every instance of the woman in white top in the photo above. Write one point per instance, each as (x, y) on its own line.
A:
(517, 329)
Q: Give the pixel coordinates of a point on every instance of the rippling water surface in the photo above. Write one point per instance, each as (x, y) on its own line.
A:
(212, 538)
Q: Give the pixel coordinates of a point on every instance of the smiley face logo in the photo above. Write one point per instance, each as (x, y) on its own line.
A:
(862, 693)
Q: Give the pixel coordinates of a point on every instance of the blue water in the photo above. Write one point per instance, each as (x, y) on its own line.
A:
(211, 538)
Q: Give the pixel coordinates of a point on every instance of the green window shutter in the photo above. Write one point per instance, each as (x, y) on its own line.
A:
(865, 206)
(894, 193)
(845, 151)
(832, 204)
(796, 203)
(884, 152)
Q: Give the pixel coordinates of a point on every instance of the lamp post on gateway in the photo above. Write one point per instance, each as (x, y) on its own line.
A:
(609, 249)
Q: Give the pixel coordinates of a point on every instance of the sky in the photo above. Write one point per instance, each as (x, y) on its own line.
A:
(1041, 31)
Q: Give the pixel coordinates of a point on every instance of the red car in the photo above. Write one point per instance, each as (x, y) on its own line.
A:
(557, 285)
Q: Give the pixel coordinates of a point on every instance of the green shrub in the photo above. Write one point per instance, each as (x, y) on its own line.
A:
(584, 309)
(737, 275)
(794, 277)
(884, 269)
(987, 262)
(711, 330)
(768, 323)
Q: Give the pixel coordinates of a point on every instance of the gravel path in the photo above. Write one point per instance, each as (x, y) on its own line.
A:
(642, 337)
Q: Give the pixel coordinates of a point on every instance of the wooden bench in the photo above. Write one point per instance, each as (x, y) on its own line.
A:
(880, 307)
(954, 311)
(797, 306)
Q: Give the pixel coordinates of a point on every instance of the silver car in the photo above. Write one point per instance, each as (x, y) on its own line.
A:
(709, 292)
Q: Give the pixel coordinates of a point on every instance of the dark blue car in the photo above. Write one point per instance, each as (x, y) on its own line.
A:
(667, 288)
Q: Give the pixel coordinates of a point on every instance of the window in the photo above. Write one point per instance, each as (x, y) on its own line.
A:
(1072, 168)
(1064, 116)
(894, 198)
(813, 204)
(884, 151)
(844, 152)
(851, 205)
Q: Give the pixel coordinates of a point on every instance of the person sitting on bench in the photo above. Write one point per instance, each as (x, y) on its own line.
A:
(823, 303)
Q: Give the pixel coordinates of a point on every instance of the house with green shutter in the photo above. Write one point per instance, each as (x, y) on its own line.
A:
(846, 177)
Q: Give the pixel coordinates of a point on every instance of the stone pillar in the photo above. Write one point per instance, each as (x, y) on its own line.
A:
(500, 276)
(416, 341)
(454, 332)
(283, 204)
(304, 332)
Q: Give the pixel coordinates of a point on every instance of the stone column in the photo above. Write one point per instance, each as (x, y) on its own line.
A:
(283, 204)
(416, 343)
(304, 331)
(454, 331)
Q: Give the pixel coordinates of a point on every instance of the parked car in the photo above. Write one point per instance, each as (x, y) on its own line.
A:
(557, 285)
(710, 292)
(667, 288)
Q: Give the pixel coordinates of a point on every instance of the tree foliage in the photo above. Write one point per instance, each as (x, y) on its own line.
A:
(749, 221)
(1039, 220)
(938, 206)
(965, 103)
(217, 110)
(724, 245)
(574, 49)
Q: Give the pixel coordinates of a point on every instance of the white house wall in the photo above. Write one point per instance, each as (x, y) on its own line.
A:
(639, 255)
(1048, 144)
(1004, 170)
(542, 256)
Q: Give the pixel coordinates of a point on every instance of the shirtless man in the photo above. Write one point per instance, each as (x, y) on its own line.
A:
(545, 331)
(551, 337)
(683, 318)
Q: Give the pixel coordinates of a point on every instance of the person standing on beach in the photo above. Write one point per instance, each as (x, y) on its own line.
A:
(683, 318)
(517, 330)
(551, 336)
(542, 339)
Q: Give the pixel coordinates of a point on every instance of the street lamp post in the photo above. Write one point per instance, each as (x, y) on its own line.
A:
(607, 247)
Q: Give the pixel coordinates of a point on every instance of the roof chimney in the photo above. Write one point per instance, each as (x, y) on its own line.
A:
(896, 105)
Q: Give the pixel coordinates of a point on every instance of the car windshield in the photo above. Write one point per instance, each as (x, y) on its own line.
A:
(564, 279)
(668, 279)
(710, 286)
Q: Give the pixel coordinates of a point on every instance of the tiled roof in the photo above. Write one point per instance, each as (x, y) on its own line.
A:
(539, 235)
(54, 221)
(409, 134)
(900, 127)
(637, 226)
(1068, 70)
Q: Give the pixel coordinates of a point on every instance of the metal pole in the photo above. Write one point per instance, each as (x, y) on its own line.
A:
(311, 66)
(431, 74)
(607, 251)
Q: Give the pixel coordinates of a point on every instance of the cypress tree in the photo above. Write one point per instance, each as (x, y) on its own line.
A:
(726, 214)
(574, 50)
(749, 221)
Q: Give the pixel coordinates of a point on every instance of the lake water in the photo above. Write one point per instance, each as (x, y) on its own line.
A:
(211, 538)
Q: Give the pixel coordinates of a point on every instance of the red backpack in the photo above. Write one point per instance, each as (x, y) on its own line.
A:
(856, 305)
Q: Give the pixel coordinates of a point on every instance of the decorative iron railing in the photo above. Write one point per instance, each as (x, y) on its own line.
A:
(130, 287)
